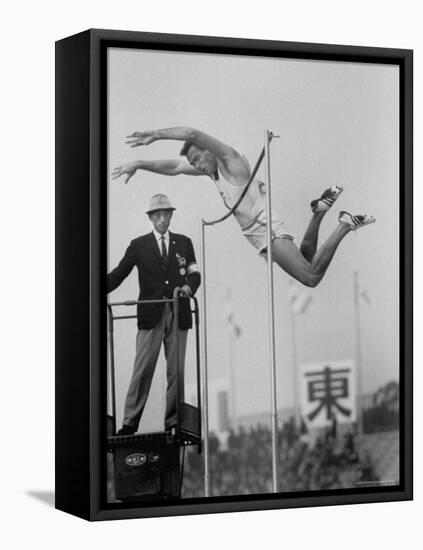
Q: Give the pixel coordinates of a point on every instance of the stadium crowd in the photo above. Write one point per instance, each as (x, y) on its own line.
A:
(243, 464)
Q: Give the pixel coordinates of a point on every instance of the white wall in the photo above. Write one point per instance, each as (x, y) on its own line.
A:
(27, 362)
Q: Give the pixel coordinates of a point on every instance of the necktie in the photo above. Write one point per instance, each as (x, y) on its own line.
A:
(164, 251)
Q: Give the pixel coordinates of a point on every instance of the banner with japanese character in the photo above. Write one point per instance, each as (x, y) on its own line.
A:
(328, 393)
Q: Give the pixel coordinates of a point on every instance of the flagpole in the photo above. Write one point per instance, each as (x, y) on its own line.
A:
(232, 375)
(295, 369)
(299, 300)
(358, 353)
(231, 330)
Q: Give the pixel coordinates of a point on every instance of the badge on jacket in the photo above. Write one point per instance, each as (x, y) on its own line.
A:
(181, 262)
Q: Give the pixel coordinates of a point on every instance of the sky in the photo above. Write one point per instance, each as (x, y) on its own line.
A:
(338, 125)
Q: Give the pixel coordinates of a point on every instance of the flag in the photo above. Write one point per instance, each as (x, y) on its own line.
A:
(299, 298)
(364, 296)
(232, 326)
(359, 293)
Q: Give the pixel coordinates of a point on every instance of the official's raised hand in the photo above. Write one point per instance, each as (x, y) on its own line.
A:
(140, 138)
(127, 169)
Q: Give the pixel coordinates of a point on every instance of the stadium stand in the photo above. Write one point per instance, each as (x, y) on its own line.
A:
(332, 459)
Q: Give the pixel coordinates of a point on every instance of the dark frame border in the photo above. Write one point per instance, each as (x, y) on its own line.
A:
(81, 111)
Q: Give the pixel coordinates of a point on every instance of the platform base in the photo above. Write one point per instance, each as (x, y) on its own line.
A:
(146, 467)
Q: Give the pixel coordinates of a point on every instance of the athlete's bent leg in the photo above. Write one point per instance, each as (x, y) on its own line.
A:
(308, 245)
(287, 255)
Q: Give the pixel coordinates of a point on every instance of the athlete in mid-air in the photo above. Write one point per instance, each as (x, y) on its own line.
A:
(204, 155)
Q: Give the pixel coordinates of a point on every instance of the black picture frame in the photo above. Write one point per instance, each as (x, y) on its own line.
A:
(81, 219)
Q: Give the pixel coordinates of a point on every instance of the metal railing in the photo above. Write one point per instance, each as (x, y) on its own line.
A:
(175, 302)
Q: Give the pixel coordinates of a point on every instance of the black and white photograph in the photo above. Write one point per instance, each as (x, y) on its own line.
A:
(246, 360)
(210, 242)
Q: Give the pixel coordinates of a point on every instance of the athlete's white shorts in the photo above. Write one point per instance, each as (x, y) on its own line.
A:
(256, 232)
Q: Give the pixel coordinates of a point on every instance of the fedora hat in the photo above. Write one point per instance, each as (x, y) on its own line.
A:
(159, 202)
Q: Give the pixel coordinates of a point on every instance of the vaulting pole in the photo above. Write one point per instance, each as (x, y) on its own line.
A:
(205, 408)
(274, 411)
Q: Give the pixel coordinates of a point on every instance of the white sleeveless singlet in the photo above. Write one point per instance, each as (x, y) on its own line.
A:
(251, 205)
(251, 213)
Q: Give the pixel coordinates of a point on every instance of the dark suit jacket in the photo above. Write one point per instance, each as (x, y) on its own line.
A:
(156, 281)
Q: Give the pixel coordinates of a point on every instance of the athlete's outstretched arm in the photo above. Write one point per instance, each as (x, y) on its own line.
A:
(229, 156)
(170, 167)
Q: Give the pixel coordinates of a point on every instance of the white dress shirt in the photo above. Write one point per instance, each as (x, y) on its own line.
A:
(159, 240)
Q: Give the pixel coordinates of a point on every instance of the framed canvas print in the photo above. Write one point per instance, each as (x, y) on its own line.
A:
(234, 274)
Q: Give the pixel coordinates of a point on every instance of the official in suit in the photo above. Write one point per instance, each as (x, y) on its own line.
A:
(164, 261)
